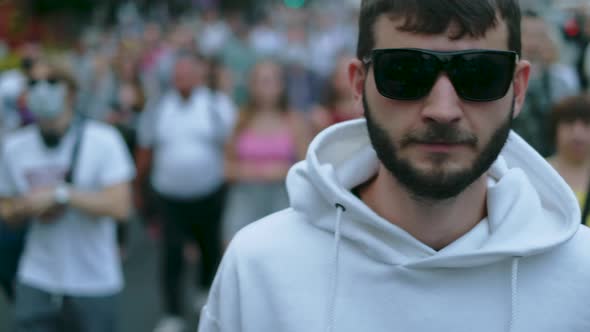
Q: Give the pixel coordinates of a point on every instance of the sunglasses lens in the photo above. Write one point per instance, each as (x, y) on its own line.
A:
(410, 74)
(405, 74)
(482, 76)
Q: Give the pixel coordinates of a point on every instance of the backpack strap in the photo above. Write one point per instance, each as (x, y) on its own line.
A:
(79, 127)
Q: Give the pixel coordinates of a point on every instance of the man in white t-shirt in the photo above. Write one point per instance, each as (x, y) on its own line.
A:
(181, 141)
(70, 269)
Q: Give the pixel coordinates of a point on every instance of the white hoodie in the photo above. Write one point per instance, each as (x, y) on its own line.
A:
(329, 263)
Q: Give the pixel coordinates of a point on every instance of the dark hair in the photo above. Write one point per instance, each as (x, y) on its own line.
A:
(473, 17)
(570, 109)
(194, 56)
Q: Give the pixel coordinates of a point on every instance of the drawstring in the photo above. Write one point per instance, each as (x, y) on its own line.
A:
(331, 309)
(336, 264)
(514, 295)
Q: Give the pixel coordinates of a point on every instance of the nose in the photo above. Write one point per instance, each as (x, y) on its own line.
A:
(442, 103)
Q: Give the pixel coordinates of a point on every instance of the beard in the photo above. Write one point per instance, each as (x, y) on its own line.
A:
(438, 184)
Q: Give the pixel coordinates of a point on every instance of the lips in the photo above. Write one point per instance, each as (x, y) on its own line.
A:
(440, 147)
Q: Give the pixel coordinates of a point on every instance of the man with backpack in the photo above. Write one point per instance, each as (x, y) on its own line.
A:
(68, 180)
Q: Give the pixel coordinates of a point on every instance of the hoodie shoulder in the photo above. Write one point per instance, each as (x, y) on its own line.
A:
(572, 259)
(282, 234)
(579, 248)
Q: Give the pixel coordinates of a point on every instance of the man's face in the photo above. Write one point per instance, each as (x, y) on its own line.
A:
(187, 75)
(537, 46)
(437, 145)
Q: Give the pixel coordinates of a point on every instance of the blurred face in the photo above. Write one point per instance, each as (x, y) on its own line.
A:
(182, 38)
(188, 74)
(53, 130)
(127, 96)
(537, 46)
(267, 84)
(439, 144)
(152, 34)
(573, 139)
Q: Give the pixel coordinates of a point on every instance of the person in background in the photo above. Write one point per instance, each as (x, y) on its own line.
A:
(13, 115)
(70, 179)
(337, 104)
(269, 138)
(220, 78)
(550, 81)
(429, 214)
(238, 56)
(584, 62)
(213, 32)
(180, 153)
(12, 240)
(97, 92)
(152, 49)
(303, 85)
(129, 96)
(570, 123)
(265, 38)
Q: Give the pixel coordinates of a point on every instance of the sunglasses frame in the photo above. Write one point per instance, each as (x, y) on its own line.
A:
(444, 59)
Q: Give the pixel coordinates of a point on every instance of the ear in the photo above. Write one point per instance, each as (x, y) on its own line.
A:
(357, 76)
(521, 84)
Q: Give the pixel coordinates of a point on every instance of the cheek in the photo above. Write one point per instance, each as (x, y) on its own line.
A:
(274, 88)
(483, 119)
(562, 134)
(396, 117)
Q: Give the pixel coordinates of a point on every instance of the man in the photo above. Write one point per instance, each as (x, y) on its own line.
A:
(412, 220)
(69, 275)
(181, 143)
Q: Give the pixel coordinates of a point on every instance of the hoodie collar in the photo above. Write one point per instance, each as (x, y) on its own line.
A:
(531, 209)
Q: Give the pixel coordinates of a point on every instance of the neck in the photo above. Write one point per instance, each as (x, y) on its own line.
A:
(185, 94)
(267, 109)
(434, 223)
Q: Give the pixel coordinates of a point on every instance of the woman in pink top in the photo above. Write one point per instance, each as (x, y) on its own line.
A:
(269, 138)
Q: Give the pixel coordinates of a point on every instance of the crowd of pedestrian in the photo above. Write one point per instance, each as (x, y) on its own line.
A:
(191, 127)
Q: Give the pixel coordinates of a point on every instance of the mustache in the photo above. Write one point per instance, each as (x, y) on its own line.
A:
(439, 133)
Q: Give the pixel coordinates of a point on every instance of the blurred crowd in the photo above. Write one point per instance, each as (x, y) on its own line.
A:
(215, 107)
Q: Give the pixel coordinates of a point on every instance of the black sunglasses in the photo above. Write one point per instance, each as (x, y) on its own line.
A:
(410, 74)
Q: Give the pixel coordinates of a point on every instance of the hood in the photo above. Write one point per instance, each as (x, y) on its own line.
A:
(530, 208)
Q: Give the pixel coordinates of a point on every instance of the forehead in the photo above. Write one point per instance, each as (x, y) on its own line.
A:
(387, 35)
(267, 68)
